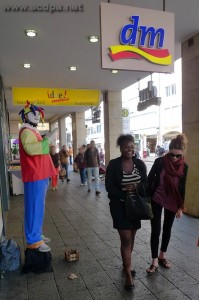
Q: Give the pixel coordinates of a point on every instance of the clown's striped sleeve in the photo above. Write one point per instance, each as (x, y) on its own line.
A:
(31, 145)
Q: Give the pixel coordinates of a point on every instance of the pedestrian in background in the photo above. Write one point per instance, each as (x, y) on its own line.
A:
(64, 156)
(101, 156)
(137, 152)
(167, 180)
(56, 163)
(70, 152)
(124, 175)
(79, 160)
(91, 158)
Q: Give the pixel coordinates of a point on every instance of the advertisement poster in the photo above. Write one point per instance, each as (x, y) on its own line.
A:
(125, 120)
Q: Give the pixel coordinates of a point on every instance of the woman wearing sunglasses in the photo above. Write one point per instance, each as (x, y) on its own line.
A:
(167, 180)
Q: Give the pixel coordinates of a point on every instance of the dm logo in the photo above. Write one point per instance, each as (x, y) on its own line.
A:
(132, 34)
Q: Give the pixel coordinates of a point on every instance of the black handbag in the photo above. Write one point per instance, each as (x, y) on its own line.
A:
(138, 208)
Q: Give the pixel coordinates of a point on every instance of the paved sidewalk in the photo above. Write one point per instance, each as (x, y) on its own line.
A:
(80, 220)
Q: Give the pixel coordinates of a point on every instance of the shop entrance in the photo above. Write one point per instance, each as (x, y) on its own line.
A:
(151, 144)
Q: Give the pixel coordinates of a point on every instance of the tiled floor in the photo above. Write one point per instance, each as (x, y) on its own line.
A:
(80, 220)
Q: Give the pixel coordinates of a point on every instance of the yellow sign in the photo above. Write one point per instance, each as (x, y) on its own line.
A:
(55, 97)
(125, 112)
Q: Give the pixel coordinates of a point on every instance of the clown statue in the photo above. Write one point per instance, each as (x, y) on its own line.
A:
(36, 168)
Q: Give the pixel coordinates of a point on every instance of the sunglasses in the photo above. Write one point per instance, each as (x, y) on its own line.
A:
(175, 155)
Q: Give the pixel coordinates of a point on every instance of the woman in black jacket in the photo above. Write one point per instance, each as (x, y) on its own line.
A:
(123, 175)
(167, 180)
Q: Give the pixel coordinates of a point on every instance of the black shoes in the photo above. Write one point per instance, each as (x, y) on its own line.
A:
(67, 180)
(96, 193)
(133, 273)
(129, 286)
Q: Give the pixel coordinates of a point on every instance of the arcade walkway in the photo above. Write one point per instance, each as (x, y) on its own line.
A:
(78, 220)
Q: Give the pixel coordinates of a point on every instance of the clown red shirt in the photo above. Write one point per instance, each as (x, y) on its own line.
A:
(36, 163)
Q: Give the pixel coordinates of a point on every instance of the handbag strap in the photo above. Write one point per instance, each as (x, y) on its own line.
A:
(144, 190)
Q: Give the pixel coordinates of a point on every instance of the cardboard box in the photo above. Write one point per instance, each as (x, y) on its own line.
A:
(71, 255)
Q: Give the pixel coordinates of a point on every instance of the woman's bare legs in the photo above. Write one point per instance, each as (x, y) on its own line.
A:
(127, 242)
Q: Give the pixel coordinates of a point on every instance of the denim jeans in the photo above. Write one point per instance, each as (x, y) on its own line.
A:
(82, 173)
(95, 171)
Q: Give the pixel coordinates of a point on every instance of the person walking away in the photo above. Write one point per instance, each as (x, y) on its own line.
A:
(56, 162)
(70, 152)
(161, 151)
(101, 156)
(124, 175)
(167, 180)
(137, 152)
(64, 156)
(79, 160)
(91, 158)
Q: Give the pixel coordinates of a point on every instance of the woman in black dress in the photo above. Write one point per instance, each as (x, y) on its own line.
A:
(123, 175)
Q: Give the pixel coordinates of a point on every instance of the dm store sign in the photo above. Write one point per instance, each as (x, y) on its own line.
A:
(137, 39)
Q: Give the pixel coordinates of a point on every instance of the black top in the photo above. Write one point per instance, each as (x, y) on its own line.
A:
(91, 158)
(114, 175)
(55, 159)
(154, 177)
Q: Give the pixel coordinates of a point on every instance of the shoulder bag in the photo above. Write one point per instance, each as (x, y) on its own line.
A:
(138, 208)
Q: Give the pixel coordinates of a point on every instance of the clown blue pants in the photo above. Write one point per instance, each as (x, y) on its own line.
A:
(34, 201)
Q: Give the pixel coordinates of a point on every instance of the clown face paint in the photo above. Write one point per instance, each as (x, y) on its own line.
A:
(34, 118)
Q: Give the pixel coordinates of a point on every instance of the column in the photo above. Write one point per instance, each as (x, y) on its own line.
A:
(190, 120)
(62, 132)
(78, 131)
(53, 131)
(112, 123)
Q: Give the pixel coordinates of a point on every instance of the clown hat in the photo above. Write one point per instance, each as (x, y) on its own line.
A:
(31, 108)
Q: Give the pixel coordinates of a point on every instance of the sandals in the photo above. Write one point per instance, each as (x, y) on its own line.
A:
(164, 263)
(152, 269)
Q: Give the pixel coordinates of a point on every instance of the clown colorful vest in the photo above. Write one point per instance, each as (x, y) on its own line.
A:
(36, 167)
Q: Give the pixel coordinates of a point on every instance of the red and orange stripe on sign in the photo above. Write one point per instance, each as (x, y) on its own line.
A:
(156, 56)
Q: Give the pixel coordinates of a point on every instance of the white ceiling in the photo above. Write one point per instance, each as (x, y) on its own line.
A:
(63, 41)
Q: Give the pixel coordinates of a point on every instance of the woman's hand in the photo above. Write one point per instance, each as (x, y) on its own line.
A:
(130, 187)
(179, 213)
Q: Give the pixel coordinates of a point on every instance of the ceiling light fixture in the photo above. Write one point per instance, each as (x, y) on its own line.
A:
(114, 71)
(30, 32)
(27, 66)
(73, 68)
(93, 39)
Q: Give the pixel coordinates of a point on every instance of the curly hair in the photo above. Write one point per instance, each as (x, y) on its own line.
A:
(179, 143)
(124, 138)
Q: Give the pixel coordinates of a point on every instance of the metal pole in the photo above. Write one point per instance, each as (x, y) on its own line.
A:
(164, 5)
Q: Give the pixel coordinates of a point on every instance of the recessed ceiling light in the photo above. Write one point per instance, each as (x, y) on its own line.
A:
(114, 71)
(27, 66)
(30, 32)
(93, 39)
(73, 68)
